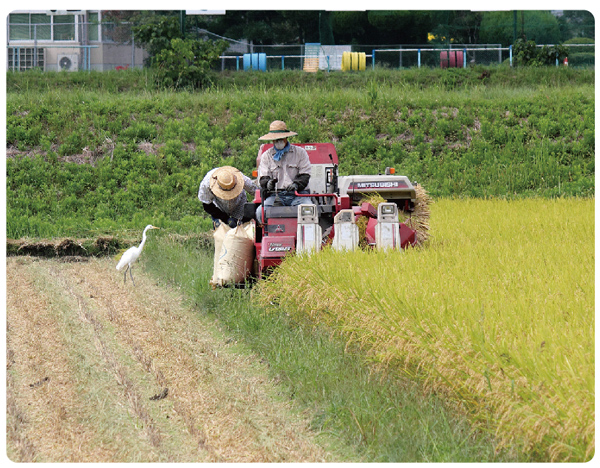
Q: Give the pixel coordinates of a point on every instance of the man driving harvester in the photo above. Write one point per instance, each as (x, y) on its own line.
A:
(284, 169)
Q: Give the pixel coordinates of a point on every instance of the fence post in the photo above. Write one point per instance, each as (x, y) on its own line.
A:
(419, 58)
(373, 59)
(510, 47)
(35, 46)
(282, 62)
(132, 50)
(465, 57)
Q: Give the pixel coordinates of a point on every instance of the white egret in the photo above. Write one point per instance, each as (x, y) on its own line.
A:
(132, 254)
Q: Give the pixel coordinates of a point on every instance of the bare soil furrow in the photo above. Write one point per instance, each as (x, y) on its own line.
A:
(192, 394)
(45, 410)
(208, 385)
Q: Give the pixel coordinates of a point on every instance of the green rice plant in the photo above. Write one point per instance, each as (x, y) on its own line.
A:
(497, 311)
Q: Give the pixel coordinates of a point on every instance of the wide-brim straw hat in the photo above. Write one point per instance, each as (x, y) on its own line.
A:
(227, 182)
(277, 130)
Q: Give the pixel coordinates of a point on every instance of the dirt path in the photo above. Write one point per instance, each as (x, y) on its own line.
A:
(98, 371)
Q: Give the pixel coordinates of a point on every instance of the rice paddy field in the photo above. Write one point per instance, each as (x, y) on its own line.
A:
(496, 311)
(493, 313)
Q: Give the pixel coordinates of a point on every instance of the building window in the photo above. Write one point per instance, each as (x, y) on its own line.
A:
(25, 58)
(41, 27)
(29, 26)
(64, 27)
(93, 27)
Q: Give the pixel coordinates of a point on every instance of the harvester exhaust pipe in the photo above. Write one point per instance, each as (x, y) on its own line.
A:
(387, 230)
(346, 231)
(309, 233)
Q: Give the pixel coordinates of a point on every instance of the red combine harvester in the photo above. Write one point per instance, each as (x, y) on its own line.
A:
(331, 211)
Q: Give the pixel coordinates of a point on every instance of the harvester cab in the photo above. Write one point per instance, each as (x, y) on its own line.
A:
(333, 208)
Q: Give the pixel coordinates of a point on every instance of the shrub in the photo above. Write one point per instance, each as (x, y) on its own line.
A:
(187, 62)
(528, 54)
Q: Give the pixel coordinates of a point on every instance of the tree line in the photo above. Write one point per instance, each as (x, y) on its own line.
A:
(379, 27)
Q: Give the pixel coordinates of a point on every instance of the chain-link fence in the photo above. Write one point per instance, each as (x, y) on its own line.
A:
(61, 43)
(397, 57)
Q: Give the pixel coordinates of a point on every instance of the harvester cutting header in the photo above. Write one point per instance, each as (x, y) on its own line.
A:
(303, 204)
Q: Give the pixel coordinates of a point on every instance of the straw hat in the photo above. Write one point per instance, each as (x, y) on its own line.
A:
(277, 130)
(227, 183)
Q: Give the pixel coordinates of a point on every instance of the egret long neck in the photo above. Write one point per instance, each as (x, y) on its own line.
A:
(141, 246)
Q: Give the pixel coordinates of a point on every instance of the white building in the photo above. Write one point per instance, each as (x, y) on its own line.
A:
(54, 40)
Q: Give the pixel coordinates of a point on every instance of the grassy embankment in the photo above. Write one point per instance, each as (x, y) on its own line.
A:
(519, 134)
(148, 149)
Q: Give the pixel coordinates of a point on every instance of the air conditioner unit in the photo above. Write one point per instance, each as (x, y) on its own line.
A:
(68, 62)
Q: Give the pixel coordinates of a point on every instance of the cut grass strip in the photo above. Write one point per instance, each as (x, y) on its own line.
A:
(377, 416)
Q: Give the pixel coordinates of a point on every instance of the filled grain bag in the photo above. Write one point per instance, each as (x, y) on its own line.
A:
(236, 255)
(218, 236)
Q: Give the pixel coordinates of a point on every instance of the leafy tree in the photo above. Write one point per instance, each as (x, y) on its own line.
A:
(187, 62)
(576, 23)
(350, 27)
(458, 26)
(266, 27)
(538, 26)
(155, 32)
(400, 27)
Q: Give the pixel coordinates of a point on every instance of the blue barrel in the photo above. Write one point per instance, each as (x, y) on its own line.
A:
(255, 62)
(247, 62)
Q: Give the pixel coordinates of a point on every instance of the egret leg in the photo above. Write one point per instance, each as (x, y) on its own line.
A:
(125, 274)
(131, 276)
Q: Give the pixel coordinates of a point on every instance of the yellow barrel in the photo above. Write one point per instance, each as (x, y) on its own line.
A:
(354, 61)
(362, 61)
(345, 61)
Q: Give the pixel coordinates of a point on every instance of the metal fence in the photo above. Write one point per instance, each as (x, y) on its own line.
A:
(405, 56)
(30, 46)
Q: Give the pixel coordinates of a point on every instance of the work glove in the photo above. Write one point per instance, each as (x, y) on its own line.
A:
(216, 223)
(271, 184)
(233, 222)
(292, 187)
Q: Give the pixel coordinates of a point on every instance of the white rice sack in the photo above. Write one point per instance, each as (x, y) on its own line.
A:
(236, 256)
(219, 236)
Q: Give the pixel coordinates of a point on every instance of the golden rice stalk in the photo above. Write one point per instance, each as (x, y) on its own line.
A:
(419, 218)
(374, 199)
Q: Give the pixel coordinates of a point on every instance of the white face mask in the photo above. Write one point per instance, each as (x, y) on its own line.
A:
(279, 144)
